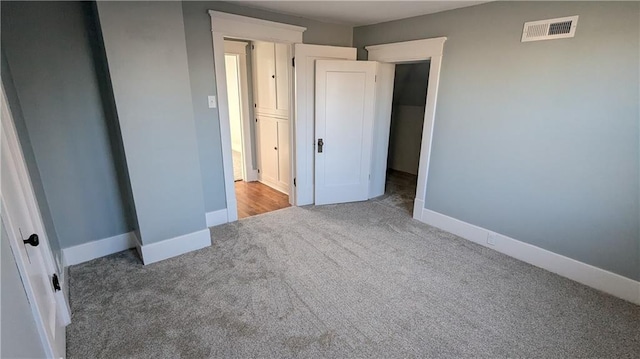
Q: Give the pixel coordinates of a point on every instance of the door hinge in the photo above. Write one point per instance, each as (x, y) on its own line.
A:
(253, 47)
(375, 78)
(258, 170)
(294, 182)
(255, 105)
(293, 62)
(256, 120)
(55, 282)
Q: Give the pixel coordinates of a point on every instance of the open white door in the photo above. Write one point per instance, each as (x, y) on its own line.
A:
(345, 110)
(381, 128)
(305, 96)
(29, 244)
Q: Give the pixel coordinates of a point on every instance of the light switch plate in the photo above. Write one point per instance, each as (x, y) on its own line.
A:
(212, 102)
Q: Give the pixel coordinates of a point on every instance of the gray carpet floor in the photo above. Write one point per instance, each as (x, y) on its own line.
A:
(400, 191)
(340, 281)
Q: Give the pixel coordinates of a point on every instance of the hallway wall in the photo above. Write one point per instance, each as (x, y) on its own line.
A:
(407, 116)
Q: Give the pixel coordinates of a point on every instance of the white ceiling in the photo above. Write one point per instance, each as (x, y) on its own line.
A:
(357, 13)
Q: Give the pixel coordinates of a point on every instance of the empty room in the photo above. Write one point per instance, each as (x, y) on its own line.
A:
(320, 179)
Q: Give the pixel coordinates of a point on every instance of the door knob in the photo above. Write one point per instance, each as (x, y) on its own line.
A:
(33, 240)
(320, 144)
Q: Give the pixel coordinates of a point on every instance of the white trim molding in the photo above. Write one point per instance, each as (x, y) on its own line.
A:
(172, 247)
(603, 280)
(100, 248)
(218, 217)
(248, 28)
(244, 28)
(406, 51)
(418, 50)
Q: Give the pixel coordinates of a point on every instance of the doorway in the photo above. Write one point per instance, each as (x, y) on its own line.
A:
(301, 112)
(405, 135)
(259, 124)
(226, 26)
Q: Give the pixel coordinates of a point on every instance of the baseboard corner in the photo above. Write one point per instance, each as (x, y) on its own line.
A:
(418, 209)
(95, 249)
(216, 218)
(172, 247)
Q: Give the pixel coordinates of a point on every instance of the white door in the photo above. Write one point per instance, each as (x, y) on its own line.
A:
(235, 102)
(282, 78)
(381, 128)
(284, 155)
(345, 110)
(267, 136)
(29, 243)
(264, 77)
(238, 87)
(305, 95)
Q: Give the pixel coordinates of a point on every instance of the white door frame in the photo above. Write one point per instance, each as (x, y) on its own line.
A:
(410, 51)
(247, 28)
(53, 347)
(239, 49)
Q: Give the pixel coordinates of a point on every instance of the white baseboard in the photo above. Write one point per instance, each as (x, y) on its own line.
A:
(418, 208)
(155, 252)
(217, 217)
(609, 282)
(252, 175)
(100, 248)
(304, 196)
(277, 186)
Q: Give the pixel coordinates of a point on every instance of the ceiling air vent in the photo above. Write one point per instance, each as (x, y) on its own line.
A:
(551, 29)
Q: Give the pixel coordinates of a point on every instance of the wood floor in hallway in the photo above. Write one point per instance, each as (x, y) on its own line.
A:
(256, 198)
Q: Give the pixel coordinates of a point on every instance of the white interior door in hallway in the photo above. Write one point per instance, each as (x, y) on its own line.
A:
(239, 113)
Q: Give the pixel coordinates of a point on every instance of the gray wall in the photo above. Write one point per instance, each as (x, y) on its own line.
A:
(407, 116)
(70, 131)
(147, 58)
(405, 138)
(201, 71)
(539, 140)
(20, 338)
(410, 84)
(64, 132)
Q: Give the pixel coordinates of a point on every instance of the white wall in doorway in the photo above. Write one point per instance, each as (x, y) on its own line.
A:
(235, 110)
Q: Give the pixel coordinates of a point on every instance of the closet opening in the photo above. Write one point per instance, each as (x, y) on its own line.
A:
(405, 136)
(258, 90)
